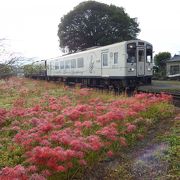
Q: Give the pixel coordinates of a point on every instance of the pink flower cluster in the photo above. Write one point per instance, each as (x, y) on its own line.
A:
(3, 113)
(18, 172)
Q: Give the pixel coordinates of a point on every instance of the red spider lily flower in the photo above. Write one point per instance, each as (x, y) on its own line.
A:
(35, 121)
(79, 144)
(109, 132)
(32, 169)
(87, 124)
(88, 115)
(45, 127)
(61, 169)
(142, 96)
(3, 113)
(17, 112)
(17, 172)
(46, 173)
(110, 153)
(110, 116)
(78, 124)
(122, 141)
(59, 119)
(94, 142)
(137, 107)
(69, 165)
(37, 176)
(131, 128)
(83, 108)
(36, 108)
(83, 92)
(132, 113)
(19, 102)
(45, 143)
(82, 162)
(73, 114)
(100, 108)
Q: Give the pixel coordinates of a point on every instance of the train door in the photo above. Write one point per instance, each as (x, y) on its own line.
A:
(50, 68)
(140, 62)
(104, 63)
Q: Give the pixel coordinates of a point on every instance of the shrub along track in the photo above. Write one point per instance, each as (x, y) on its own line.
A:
(155, 157)
(175, 95)
(168, 87)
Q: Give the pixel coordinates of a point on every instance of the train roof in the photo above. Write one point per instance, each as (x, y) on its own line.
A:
(91, 49)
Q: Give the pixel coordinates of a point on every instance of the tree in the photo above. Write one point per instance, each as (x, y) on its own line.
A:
(93, 23)
(160, 59)
(160, 62)
(5, 69)
(37, 68)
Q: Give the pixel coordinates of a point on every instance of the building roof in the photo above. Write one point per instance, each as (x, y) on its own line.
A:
(175, 58)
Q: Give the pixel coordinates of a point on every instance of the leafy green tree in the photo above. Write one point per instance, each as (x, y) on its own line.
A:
(28, 70)
(34, 69)
(160, 62)
(5, 69)
(93, 23)
(160, 59)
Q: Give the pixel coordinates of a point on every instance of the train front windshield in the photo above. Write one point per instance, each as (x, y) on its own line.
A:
(149, 53)
(131, 51)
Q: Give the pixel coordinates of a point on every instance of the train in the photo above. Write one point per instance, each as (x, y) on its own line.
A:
(120, 65)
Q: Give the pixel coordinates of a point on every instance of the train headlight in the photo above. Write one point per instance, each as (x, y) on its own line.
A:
(132, 69)
(149, 69)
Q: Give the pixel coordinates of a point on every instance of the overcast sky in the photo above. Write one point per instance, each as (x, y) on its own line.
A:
(31, 25)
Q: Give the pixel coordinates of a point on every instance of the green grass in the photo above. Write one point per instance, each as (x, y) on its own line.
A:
(172, 137)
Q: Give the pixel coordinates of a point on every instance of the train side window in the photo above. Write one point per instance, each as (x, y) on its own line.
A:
(80, 62)
(105, 59)
(56, 65)
(116, 58)
(61, 64)
(67, 64)
(73, 63)
(149, 53)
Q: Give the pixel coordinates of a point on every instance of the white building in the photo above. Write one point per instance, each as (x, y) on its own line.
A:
(173, 66)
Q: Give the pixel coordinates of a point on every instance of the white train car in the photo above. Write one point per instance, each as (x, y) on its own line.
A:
(120, 64)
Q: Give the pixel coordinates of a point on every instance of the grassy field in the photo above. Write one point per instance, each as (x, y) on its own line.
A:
(172, 137)
(49, 131)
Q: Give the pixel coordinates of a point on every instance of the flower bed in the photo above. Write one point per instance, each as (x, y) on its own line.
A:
(51, 131)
